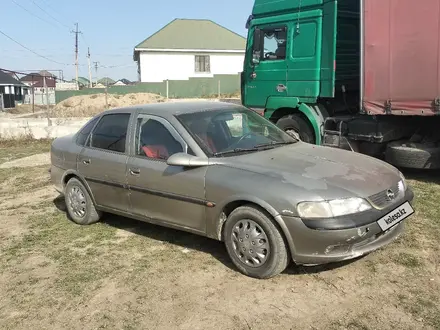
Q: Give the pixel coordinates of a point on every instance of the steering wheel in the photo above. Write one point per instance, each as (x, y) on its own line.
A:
(269, 54)
(244, 136)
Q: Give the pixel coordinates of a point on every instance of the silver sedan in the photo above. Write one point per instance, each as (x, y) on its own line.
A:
(223, 171)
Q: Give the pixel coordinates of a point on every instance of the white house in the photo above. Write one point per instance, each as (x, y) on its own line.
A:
(188, 48)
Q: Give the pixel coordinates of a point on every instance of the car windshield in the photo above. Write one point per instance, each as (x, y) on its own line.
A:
(232, 131)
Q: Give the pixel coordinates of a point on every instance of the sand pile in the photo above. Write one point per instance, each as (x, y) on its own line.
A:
(90, 105)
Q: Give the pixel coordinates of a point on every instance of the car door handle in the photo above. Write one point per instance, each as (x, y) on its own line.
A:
(135, 171)
(86, 161)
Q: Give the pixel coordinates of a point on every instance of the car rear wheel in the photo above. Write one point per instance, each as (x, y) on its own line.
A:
(254, 243)
(80, 207)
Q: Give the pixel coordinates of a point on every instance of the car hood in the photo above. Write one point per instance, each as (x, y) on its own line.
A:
(329, 172)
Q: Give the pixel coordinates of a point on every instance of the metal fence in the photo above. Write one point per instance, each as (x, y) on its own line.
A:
(194, 87)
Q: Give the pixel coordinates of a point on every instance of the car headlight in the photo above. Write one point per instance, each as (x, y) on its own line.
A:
(332, 208)
(402, 182)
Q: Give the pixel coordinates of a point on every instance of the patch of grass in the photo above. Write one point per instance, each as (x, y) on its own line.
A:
(422, 307)
(424, 226)
(14, 181)
(358, 325)
(43, 205)
(371, 266)
(352, 324)
(407, 260)
(14, 149)
(14, 207)
(77, 270)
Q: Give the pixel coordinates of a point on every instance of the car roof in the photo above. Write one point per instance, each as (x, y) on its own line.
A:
(174, 108)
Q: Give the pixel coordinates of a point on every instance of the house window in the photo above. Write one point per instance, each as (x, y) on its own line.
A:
(202, 63)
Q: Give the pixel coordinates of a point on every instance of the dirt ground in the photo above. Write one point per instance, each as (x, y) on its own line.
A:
(90, 105)
(124, 274)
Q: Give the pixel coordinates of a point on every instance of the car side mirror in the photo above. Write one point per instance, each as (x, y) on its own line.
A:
(186, 160)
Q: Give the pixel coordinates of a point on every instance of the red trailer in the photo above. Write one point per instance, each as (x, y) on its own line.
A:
(401, 61)
(399, 112)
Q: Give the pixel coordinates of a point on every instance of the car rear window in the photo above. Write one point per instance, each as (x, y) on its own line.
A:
(84, 133)
(111, 131)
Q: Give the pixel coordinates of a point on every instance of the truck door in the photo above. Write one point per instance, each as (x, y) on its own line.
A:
(266, 67)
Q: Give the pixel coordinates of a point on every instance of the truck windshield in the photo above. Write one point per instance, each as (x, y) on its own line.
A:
(232, 131)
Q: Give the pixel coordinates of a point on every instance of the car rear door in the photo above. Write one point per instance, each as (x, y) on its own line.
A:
(170, 194)
(103, 162)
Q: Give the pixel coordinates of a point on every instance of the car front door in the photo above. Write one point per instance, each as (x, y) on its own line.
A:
(103, 162)
(267, 75)
(170, 194)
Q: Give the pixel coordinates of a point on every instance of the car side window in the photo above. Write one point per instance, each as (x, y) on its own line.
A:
(154, 139)
(83, 134)
(111, 132)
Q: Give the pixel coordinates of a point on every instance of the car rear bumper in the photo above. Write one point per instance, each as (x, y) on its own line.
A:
(319, 246)
(56, 176)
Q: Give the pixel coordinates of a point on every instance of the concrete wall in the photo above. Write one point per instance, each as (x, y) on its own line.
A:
(66, 86)
(160, 66)
(39, 128)
(40, 98)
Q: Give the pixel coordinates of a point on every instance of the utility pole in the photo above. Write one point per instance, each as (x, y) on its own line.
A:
(47, 101)
(90, 69)
(76, 51)
(33, 94)
(96, 71)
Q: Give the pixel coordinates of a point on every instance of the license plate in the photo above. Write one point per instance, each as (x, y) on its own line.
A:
(396, 216)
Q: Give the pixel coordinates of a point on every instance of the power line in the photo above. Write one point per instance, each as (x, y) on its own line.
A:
(25, 9)
(84, 39)
(39, 55)
(54, 18)
(35, 74)
(50, 6)
(117, 66)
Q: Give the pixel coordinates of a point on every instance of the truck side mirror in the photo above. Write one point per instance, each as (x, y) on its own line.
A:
(256, 47)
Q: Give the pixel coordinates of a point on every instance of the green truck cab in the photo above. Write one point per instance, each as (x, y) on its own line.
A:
(348, 73)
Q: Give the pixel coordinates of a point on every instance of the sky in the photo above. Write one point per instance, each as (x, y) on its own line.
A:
(110, 28)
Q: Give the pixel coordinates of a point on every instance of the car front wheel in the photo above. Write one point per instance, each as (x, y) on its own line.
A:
(254, 243)
(80, 207)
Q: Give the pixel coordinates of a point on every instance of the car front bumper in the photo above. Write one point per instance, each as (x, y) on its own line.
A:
(310, 246)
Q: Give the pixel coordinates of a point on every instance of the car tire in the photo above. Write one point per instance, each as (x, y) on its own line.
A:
(79, 204)
(299, 125)
(263, 234)
(407, 154)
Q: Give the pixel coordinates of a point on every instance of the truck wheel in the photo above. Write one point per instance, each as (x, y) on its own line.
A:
(296, 126)
(412, 155)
